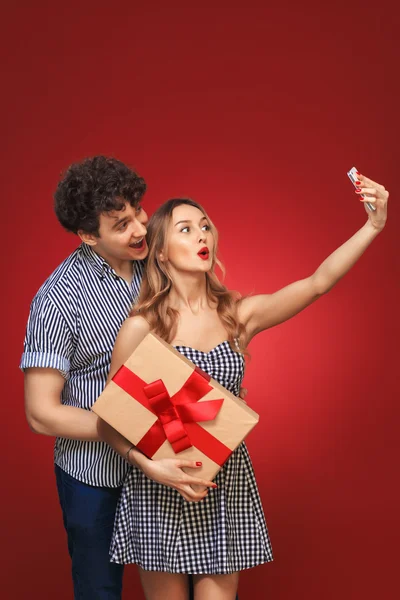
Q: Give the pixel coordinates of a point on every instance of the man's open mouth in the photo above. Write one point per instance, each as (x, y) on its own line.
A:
(138, 245)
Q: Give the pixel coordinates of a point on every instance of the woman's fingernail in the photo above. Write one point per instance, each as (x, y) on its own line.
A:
(214, 485)
(358, 173)
(358, 182)
(357, 190)
(198, 464)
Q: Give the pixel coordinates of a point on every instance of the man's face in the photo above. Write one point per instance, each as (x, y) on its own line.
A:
(122, 234)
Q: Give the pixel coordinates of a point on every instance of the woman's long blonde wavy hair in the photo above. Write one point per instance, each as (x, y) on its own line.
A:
(152, 304)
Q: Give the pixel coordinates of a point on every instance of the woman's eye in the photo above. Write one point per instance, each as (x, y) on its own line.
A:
(206, 227)
(184, 229)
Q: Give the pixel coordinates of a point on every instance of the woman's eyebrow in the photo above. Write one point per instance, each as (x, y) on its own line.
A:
(189, 221)
(179, 222)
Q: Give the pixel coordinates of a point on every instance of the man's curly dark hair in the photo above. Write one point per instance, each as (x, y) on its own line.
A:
(94, 186)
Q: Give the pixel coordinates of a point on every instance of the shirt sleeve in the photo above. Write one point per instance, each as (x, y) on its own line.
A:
(48, 339)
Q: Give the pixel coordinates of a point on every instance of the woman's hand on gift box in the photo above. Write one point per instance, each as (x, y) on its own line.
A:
(169, 471)
(243, 393)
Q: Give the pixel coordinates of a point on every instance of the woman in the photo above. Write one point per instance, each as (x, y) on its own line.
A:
(162, 524)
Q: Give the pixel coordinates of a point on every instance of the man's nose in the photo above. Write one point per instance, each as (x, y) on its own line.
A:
(139, 229)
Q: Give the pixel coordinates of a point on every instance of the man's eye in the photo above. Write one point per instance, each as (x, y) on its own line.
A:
(123, 226)
(139, 209)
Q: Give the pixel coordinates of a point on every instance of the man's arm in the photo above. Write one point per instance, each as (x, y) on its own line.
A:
(48, 348)
(45, 413)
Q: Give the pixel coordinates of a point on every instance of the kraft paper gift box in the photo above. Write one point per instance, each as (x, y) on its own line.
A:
(168, 408)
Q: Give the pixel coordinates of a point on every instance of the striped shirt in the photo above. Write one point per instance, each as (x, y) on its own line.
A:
(73, 323)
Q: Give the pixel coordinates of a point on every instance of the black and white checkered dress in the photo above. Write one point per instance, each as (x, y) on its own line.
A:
(158, 530)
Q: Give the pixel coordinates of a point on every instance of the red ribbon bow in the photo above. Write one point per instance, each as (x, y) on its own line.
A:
(182, 408)
(177, 415)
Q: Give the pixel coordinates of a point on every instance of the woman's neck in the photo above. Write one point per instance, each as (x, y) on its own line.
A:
(189, 291)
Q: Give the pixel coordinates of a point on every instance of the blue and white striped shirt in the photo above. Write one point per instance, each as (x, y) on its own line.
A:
(73, 323)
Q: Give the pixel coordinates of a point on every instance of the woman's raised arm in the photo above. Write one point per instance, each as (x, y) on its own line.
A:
(263, 311)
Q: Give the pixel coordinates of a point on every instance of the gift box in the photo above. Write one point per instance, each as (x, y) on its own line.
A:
(169, 408)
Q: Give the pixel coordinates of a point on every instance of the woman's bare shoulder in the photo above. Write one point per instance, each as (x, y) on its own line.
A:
(135, 325)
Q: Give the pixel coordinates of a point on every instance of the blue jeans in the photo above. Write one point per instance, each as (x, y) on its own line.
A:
(88, 514)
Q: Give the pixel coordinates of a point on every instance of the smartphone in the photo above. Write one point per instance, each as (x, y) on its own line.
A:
(352, 175)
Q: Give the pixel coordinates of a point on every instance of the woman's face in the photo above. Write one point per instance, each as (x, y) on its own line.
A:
(190, 243)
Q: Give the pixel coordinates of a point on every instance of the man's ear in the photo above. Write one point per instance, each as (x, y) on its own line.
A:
(89, 238)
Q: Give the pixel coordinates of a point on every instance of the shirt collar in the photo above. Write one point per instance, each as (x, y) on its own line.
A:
(102, 268)
(97, 262)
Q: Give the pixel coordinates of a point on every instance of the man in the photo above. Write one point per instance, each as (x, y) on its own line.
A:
(73, 323)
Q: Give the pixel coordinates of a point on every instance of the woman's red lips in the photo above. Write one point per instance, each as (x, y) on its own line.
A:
(204, 253)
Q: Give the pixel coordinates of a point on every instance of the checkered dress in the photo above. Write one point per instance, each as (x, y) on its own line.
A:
(226, 532)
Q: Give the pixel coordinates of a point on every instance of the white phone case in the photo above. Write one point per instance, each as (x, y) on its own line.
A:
(352, 175)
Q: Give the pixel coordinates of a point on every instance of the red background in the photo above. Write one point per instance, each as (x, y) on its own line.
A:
(257, 112)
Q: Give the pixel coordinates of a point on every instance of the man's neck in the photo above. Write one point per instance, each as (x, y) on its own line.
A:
(123, 268)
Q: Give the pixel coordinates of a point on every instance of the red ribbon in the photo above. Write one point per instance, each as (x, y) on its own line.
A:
(177, 415)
